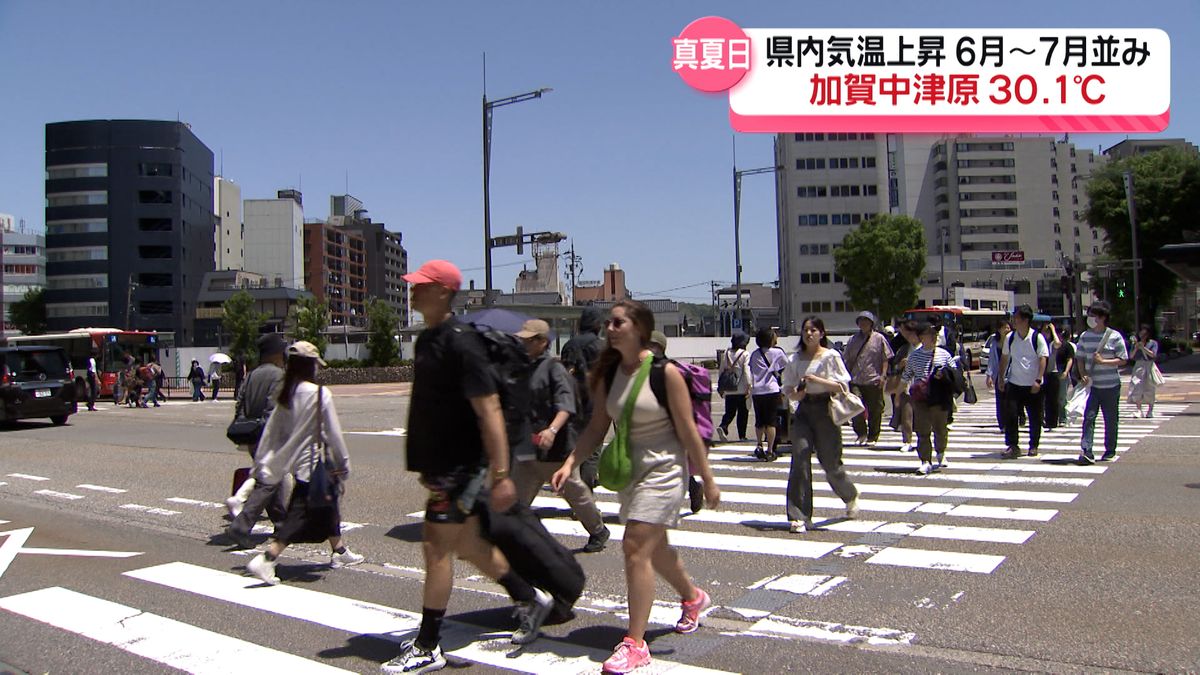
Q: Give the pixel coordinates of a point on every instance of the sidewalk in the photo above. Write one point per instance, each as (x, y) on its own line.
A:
(1183, 379)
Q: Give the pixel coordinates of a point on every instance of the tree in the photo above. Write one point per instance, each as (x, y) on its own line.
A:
(243, 323)
(309, 320)
(882, 263)
(381, 342)
(1166, 195)
(28, 314)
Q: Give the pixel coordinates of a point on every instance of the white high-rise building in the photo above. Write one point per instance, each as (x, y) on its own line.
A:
(24, 260)
(228, 235)
(1020, 198)
(274, 238)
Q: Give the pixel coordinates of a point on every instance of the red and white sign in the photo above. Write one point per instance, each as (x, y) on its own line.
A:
(1008, 256)
(926, 80)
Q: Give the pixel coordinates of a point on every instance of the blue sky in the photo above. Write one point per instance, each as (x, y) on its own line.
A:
(622, 156)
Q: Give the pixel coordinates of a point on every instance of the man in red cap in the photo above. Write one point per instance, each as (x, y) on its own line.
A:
(458, 443)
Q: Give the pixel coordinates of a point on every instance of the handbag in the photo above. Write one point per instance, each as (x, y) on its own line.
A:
(324, 484)
(919, 391)
(845, 406)
(1156, 375)
(616, 466)
(245, 430)
(969, 396)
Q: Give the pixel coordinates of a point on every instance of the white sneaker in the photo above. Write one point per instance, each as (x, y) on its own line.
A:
(861, 440)
(871, 444)
(799, 526)
(234, 505)
(413, 659)
(941, 459)
(263, 569)
(906, 447)
(925, 469)
(346, 559)
(852, 508)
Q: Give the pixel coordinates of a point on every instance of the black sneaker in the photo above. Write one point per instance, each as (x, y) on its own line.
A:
(596, 542)
(533, 614)
(1108, 457)
(695, 494)
(1033, 452)
(1011, 453)
(240, 540)
(1086, 458)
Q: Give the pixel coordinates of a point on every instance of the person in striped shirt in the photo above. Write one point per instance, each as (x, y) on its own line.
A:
(925, 378)
(1100, 353)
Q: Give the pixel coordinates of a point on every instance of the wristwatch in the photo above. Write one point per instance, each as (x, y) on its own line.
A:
(499, 474)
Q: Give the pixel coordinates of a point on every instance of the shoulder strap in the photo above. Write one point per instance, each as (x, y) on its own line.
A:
(638, 380)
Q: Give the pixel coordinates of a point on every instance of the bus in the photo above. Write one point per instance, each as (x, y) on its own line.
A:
(112, 347)
(973, 326)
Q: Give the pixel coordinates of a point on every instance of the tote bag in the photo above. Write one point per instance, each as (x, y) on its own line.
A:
(324, 485)
(616, 466)
(845, 406)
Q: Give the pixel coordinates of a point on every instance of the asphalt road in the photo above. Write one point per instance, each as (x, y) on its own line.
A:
(1032, 565)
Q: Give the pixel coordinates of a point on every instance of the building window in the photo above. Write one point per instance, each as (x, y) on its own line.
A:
(76, 281)
(155, 169)
(77, 253)
(154, 252)
(74, 309)
(156, 307)
(154, 224)
(76, 198)
(155, 197)
(20, 269)
(76, 226)
(77, 171)
(154, 279)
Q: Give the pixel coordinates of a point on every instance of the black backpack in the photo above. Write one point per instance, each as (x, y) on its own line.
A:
(578, 356)
(512, 369)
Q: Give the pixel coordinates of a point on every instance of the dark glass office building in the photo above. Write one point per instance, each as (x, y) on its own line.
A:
(129, 225)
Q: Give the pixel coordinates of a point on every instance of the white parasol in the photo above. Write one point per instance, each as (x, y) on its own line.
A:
(220, 358)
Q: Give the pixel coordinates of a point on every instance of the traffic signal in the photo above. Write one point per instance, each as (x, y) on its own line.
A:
(1120, 288)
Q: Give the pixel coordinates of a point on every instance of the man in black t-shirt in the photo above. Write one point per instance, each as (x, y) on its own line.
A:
(457, 441)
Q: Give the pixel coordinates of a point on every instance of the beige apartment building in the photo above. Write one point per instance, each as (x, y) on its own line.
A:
(999, 212)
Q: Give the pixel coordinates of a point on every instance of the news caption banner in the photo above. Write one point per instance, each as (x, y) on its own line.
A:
(917, 80)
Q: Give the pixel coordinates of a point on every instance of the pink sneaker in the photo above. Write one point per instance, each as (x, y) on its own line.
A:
(690, 621)
(627, 657)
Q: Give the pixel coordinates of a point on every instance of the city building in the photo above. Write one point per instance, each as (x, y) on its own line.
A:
(229, 232)
(387, 260)
(760, 307)
(544, 278)
(23, 257)
(999, 213)
(1131, 147)
(335, 271)
(129, 225)
(274, 238)
(276, 302)
(611, 289)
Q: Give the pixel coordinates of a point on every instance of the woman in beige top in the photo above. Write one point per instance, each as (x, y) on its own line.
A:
(813, 373)
(661, 443)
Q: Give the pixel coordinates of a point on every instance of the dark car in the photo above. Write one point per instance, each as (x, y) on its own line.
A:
(36, 382)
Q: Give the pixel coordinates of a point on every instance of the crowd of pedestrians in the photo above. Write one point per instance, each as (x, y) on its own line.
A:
(481, 465)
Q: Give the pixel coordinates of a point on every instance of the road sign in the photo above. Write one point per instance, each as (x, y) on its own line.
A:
(507, 240)
(1008, 256)
(737, 323)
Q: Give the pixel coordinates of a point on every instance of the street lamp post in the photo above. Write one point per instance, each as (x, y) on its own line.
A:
(487, 170)
(1133, 242)
(737, 231)
(942, 232)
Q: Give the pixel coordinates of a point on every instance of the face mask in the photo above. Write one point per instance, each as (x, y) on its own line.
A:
(1093, 322)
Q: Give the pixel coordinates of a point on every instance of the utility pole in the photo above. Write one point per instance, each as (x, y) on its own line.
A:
(129, 286)
(716, 315)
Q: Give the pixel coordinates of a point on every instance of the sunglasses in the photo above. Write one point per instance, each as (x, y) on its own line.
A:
(615, 322)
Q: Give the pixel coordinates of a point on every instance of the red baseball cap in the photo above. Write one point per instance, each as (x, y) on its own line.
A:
(440, 272)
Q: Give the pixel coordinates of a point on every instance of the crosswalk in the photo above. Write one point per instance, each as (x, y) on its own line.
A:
(968, 518)
(995, 505)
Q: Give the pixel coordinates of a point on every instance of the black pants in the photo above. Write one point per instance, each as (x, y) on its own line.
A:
(1050, 398)
(1018, 399)
(999, 406)
(868, 423)
(735, 405)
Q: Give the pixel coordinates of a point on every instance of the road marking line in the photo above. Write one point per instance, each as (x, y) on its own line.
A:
(195, 502)
(80, 553)
(101, 488)
(791, 548)
(366, 618)
(1011, 465)
(781, 626)
(915, 490)
(59, 495)
(779, 521)
(937, 560)
(398, 431)
(943, 475)
(12, 546)
(154, 637)
(814, 585)
(150, 509)
(26, 476)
